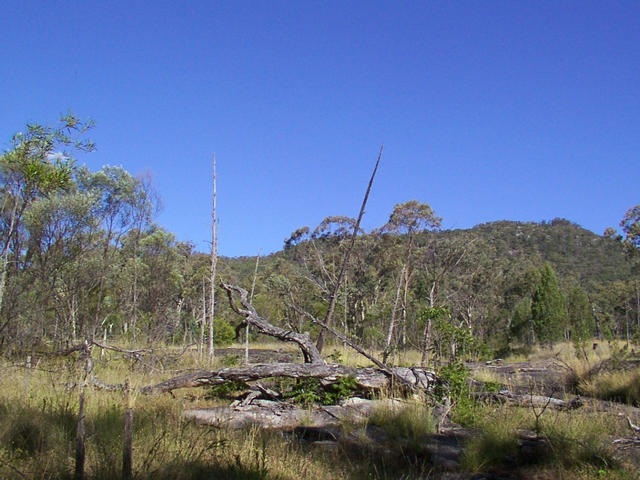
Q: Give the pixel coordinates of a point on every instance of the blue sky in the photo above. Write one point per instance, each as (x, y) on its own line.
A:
(488, 110)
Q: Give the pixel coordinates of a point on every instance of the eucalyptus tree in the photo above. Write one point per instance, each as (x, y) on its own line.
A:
(630, 224)
(631, 227)
(122, 206)
(38, 165)
(407, 219)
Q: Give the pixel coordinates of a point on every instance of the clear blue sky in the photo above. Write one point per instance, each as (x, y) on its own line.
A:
(488, 110)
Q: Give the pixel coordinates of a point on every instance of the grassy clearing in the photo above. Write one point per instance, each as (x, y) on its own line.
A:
(568, 444)
(38, 410)
(619, 386)
(38, 421)
(410, 422)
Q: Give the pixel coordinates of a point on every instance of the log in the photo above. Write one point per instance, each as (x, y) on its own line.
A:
(532, 401)
(274, 414)
(366, 378)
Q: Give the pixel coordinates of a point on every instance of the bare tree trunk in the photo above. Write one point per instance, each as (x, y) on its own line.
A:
(5, 248)
(127, 441)
(203, 322)
(246, 331)
(367, 378)
(72, 313)
(214, 263)
(405, 295)
(345, 321)
(392, 322)
(347, 254)
(426, 343)
(426, 340)
(80, 426)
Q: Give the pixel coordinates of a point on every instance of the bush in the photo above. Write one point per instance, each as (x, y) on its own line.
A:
(308, 391)
(407, 423)
(223, 332)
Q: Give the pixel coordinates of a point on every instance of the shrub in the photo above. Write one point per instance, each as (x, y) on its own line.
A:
(223, 332)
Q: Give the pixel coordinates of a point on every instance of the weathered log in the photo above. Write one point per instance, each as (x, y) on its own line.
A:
(273, 414)
(309, 350)
(365, 378)
(533, 401)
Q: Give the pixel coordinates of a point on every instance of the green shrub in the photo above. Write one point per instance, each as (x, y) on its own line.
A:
(223, 332)
(226, 390)
(309, 391)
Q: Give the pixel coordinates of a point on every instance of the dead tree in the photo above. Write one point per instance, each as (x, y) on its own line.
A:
(309, 350)
(347, 254)
(214, 262)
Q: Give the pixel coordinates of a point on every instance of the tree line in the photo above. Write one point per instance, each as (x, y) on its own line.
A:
(82, 258)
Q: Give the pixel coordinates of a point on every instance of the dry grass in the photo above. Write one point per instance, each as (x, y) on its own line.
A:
(38, 415)
(569, 444)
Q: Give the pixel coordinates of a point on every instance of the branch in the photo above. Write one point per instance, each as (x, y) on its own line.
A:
(133, 353)
(309, 350)
(632, 426)
(342, 337)
(347, 254)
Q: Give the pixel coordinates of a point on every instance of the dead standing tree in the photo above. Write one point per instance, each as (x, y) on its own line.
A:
(347, 254)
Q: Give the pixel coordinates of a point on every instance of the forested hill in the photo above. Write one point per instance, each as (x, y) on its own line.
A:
(577, 255)
(488, 278)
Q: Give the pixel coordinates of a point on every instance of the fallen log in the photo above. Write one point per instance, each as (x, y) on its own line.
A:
(365, 378)
(274, 414)
(532, 401)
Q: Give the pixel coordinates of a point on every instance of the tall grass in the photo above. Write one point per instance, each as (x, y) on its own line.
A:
(38, 415)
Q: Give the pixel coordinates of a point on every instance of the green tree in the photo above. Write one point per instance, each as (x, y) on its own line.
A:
(630, 224)
(548, 307)
(38, 165)
(580, 315)
(406, 219)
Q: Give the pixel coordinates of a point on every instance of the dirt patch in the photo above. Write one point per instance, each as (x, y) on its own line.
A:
(257, 355)
(543, 377)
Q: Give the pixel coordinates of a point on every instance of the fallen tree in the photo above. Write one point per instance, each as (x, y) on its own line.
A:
(365, 378)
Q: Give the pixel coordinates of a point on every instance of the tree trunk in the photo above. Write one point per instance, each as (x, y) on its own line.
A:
(127, 441)
(392, 322)
(309, 350)
(203, 322)
(5, 248)
(214, 263)
(336, 288)
(365, 378)
(246, 332)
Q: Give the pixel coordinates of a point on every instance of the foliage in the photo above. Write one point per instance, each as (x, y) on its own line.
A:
(411, 216)
(454, 381)
(309, 391)
(226, 390)
(223, 332)
(631, 227)
(548, 310)
(580, 315)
